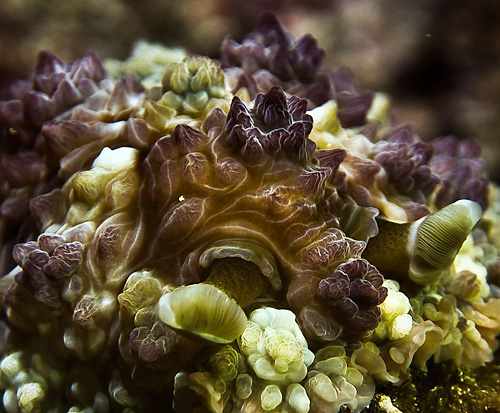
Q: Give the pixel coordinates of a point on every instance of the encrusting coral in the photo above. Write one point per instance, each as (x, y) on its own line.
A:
(250, 235)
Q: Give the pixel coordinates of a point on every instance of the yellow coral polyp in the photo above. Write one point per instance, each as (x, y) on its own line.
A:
(323, 387)
(271, 397)
(141, 290)
(275, 348)
(250, 338)
(297, 398)
(244, 386)
(147, 61)
(467, 276)
(380, 109)
(30, 397)
(400, 326)
(327, 131)
(284, 349)
(396, 322)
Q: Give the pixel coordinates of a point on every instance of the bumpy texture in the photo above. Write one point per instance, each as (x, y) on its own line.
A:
(263, 178)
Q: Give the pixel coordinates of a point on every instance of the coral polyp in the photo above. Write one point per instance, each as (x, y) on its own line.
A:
(253, 234)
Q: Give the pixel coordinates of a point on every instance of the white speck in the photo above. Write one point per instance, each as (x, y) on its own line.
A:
(385, 403)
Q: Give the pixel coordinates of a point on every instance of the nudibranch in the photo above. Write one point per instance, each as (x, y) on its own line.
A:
(253, 234)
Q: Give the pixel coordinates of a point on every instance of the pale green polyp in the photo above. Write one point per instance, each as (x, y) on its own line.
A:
(270, 397)
(297, 398)
(179, 79)
(434, 240)
(203, 310)
(192, 85)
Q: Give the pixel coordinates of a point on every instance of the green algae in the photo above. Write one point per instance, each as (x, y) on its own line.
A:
(444, 388)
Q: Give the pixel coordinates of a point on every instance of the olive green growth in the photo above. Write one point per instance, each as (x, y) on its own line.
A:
(444, 388)
(241, 280)
(387, 250)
